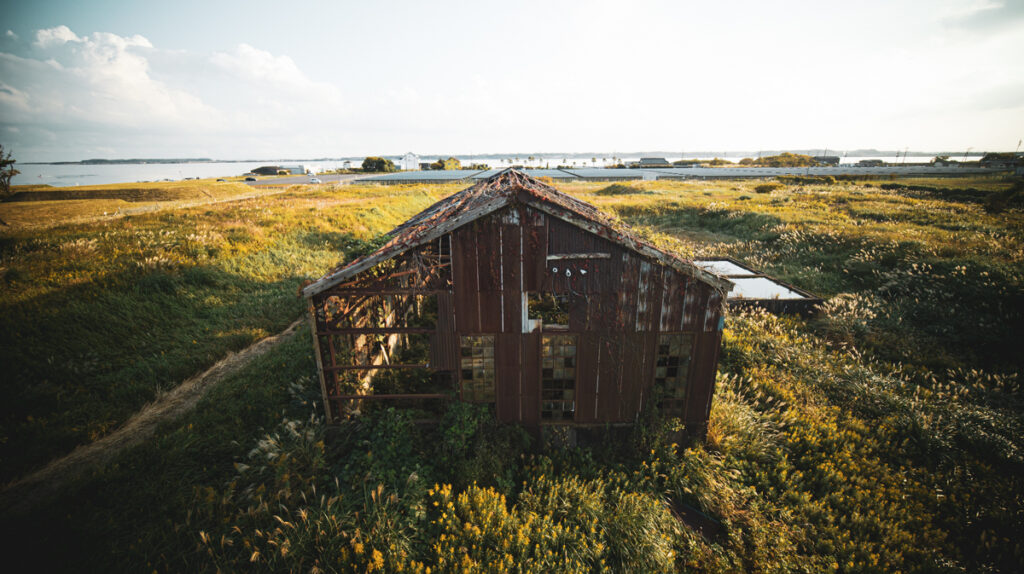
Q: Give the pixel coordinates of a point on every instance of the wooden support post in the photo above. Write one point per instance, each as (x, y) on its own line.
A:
(319, 363)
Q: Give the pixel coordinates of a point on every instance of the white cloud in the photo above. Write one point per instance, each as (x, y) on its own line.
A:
(55, 37)
(128, 92)
(257, 65)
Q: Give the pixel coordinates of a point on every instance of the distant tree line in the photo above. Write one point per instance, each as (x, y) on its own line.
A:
(374, 164)
(785, 159)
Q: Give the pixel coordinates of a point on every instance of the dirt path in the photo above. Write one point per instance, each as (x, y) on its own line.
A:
(22, 494)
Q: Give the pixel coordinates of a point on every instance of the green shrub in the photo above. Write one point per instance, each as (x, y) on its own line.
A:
(619, 189)
(769, 187)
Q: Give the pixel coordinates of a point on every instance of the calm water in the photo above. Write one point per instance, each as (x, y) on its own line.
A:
(67, 175)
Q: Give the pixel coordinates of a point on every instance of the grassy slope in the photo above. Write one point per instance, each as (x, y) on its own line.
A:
(95, 319)
(42, 206)
(822, 454)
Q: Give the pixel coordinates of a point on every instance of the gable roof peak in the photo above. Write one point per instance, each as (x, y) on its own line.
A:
(509, 186)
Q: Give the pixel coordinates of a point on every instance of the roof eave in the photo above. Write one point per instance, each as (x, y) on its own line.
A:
(387, 252)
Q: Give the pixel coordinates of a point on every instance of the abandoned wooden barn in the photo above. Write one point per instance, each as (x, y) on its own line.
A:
(515, 294)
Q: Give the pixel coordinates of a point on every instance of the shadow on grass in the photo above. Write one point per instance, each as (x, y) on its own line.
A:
(123, 517)
(741, 225)
(79, 361)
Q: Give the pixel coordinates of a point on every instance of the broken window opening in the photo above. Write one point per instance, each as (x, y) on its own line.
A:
(421, 392)
(672, 372)
(547, 311)
(558, 377)
(410, 381)
(377, 349)
(396, 310)
(476, 365)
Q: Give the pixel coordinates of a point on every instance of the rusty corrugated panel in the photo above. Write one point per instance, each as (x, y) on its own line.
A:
(693, 310)
(535, 248)
(568, 238)
(490, 311)
(643, 293)
(610, 373)
(587, 377)
(628, 291)
(507, 362)
(634, 361)
(511, 239)
(464, 282)
(446, 312)
(529, 397)
(702, 378)
(712, 311)
(603, 312)
(488, 252)
(444, 351)
(650, 351)
(579, 310)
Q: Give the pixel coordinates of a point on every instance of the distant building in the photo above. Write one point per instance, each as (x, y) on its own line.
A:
(266, 170)
(870, 163)
(826, 159)
(346, 164)
(293, 169)
(652, 162)
(410, 162)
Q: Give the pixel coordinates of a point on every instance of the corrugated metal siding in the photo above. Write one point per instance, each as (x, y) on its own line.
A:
(702, 381)
(587, 380)
(619, 302)
(535, 247)
(464, 278)
(610, 374)
(508, 361)
(529, 395)
(511, 235)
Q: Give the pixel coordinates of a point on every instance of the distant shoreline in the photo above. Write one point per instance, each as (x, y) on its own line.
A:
(546, 155)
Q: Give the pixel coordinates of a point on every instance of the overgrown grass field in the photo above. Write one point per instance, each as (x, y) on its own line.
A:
(884, 435)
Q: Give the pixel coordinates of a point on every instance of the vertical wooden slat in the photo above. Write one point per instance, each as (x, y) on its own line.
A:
(490, 311)
(512, 301)
(712, 310)
(702, 379)
(465, 281)
(586, 377)
(529, 397)
(488, 251)
(629, 292)
(507, 362)
(693, 316)
(319, 363)
(534, 248)
(610, 374)
(632, 375)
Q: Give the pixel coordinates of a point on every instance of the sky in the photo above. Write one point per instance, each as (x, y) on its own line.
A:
(311, 79)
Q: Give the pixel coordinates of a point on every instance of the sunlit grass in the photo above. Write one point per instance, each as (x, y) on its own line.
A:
(98, 317)
(883, 435)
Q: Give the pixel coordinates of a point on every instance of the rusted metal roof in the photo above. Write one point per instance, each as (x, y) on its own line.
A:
(506, 188)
